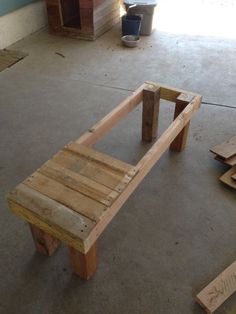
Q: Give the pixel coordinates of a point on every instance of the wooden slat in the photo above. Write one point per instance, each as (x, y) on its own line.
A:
(227, 178)
(62, 194)
(225, 150)
(9, 58)
(231, 161)
(79, 183)
(94, 155)
(90, 170)
(51, 216)
(234, 176)
(219, 290)
(111, 119)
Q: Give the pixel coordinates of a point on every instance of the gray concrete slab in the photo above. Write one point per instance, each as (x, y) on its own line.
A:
(177, 231)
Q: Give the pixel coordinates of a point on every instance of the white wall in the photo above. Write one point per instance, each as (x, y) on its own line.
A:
(20, 23)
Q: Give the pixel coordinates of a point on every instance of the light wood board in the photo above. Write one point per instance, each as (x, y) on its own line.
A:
(225, 150)
(227, 178)
(219, 290)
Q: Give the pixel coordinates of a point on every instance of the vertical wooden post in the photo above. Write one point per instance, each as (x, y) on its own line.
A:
(84, 265)
(151, 104)
(44, 242)
(179, 142)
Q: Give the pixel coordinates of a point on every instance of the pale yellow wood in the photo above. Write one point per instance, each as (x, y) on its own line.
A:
(168, 93)
(99, 174)
(227, 178)
(111, 119)
(219, 290)
(79, 183)
(234, 176)
(100, 158)
(51, 216)
(68, 197)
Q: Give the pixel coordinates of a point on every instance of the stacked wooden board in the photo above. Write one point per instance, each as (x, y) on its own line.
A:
(86, 19)
(226, 153)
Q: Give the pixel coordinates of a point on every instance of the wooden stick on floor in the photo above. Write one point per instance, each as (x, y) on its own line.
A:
(84, 265)
(44, 242)
(151, 104)
(180, 141)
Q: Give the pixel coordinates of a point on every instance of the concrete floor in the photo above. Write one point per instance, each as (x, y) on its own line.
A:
(177, 231)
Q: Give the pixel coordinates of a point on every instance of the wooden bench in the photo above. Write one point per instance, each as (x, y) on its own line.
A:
(73, 197)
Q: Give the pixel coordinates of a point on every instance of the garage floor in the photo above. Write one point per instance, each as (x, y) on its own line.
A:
(178, 230)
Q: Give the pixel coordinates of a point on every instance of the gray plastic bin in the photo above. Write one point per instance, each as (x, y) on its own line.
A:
(146, 8)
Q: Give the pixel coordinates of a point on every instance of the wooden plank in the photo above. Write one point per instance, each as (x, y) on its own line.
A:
(51, 216)
(169, 93)
(225, 150)
(231, 161)
(180, 141)
(84, 265)
(234, 176)
(111, 119)
(45, 243)
(227, 178)
(91, 170)
(151, 105)
(79, 183)
(219, 290)
(62, 194)
(100, 158)
(146, 164)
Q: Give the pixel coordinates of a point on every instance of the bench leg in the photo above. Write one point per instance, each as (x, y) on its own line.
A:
(180, 141)
(84, 265)
(151, 104)
(44, 242)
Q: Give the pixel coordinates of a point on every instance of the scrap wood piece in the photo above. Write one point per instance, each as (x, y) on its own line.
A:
(225, 150)
(227, 178)
(10, 57)
(231, 161)
(219, 290)
(234, 176)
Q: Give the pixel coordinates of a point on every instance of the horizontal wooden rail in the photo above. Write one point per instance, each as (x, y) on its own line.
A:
(145, 165)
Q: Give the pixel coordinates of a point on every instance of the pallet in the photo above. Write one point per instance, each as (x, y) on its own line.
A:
(74, 196)
(82, 19)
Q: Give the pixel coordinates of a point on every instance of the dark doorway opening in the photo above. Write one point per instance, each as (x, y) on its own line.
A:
(71, 13)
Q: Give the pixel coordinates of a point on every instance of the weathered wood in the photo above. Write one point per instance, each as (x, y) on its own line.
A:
(80, 183)
(98, 173)
(227, 178)
(180, 141)
(85, 19)
(225, 150)
(66, 196)
(44, 242)
(234, 176)
(231, 161)
(84, 265)
(219, 290)
(151, 104)
(94, 155)
(51, 216)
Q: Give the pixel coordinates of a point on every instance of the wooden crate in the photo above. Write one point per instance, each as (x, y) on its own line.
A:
(84, 19)
(74, 196)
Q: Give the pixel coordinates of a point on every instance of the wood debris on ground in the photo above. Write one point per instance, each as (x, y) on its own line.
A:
(226, 153)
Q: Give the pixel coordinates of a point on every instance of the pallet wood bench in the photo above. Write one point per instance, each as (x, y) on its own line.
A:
(74, 196)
